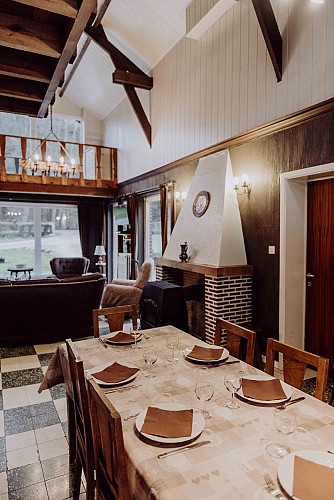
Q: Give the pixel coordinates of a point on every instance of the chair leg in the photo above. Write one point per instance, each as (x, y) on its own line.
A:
(77, 478)
(71, 428)
(90, 487)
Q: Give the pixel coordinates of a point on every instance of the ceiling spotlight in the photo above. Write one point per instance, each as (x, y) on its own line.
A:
(318, 1)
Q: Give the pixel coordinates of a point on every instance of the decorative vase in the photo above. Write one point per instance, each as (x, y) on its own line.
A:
(184, 255)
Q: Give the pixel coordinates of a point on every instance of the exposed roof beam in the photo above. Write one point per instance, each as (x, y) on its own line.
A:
(86, 8)
(139, 111)
(271, 33)
(27, 66)
(31, 91)
(32, 36)
(120, 61)
(134, 79)
(84, 48)
(123, 64)
(18, 106)
(68, 8)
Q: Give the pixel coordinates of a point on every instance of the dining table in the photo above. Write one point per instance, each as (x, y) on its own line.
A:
(233, 462)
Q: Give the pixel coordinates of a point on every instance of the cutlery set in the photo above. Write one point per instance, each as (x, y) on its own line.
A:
(288, 403)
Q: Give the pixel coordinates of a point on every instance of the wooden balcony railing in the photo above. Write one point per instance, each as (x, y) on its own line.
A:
(95, 173)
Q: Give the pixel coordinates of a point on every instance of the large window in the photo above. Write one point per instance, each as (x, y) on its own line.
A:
(153, 226)
(34, 234)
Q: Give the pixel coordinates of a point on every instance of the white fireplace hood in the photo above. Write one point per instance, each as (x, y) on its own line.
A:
(215, 238)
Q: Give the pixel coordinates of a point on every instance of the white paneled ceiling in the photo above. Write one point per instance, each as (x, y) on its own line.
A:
(144, 30)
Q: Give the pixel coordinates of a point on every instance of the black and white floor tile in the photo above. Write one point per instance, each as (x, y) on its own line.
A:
(34, 462)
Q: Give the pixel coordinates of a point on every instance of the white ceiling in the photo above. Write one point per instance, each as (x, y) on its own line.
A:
(144, 30)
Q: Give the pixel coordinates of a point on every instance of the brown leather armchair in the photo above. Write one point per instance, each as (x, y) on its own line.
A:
(66, 267)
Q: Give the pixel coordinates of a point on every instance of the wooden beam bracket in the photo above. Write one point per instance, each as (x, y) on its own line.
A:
(271, 33)
(134, 79)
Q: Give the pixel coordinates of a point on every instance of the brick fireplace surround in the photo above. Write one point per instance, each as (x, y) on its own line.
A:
(228, 293)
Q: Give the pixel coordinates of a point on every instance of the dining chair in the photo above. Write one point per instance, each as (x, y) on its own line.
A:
(84, 459)
(69, 402)
(295, 362)
(110, 461)
(234, 334)
(115, 317)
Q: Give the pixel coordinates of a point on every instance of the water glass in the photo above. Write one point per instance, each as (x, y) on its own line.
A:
(204, 392)
(135, 333)
(150, 356)
(285, 423)
(172, 342)
(232, 384)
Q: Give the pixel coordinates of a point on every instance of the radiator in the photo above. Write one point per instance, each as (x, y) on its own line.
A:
(123, 266)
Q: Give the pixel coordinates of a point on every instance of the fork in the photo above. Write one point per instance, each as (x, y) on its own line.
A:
(271, 486)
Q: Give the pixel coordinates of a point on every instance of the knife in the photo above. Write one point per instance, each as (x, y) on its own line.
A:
(103, 343)
(185, 448)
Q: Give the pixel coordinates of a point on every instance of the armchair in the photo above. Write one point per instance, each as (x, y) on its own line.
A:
(127, 292)
(66, 267)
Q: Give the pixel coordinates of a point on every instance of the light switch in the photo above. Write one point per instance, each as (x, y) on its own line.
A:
(271, 249)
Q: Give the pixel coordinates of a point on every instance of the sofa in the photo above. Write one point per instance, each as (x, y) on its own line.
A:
(48, 310)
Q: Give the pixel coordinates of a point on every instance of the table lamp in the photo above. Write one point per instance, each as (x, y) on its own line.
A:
(100, 251)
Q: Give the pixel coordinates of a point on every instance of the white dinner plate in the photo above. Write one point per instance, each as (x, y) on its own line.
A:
(285, 469)
(223, 357)
(198, 424)
(99, 368)
(109, 338)
(286, 388)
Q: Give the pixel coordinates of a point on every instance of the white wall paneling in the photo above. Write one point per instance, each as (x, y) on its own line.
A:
(208, 90)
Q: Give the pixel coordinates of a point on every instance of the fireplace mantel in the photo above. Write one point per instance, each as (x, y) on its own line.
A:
(213, 271)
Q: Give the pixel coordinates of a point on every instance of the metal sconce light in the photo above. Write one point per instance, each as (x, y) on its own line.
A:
(245, 185)
(180, 197)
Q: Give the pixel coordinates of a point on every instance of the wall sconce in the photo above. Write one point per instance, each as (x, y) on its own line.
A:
(245, 185)
(180, 197)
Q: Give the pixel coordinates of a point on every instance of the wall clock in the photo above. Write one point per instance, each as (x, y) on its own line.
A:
(201, 203)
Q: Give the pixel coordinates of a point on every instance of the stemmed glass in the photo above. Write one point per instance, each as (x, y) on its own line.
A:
(285, 422)
(135, 332)
(172, 343)
(232, 384)
(150, 356)
(204, 392)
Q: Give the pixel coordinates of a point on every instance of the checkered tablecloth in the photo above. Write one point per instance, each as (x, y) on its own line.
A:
(232, 466)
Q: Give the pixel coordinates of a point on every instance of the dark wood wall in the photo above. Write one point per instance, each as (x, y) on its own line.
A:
(263, 158)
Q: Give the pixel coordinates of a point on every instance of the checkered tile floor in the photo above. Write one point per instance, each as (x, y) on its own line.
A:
(34, 462)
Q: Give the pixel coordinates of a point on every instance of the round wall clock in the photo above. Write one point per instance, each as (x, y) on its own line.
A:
(201, 203)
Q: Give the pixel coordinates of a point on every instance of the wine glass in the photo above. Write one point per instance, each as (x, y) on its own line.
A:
(172, 343)
(204, 392)
(285, 422)
(232, 384)
(150, 356)
(135, 333)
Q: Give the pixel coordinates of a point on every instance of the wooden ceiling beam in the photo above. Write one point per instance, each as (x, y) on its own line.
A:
(18, 106)
(85, 46)
(14, 87)
(31, 36)
(84, 14)
(120, 61)
(25, 65)
(139, 111)
(134, 79)
(271, 33)
(124, 66)
(67, 8)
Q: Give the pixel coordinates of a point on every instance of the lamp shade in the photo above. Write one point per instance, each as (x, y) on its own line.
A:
(99, 250)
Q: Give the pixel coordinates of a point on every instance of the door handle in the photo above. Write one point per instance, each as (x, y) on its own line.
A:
(309, 275)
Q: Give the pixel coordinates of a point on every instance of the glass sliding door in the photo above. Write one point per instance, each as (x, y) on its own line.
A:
(33, 234)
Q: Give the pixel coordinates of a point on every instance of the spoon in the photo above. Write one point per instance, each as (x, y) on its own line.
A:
(293, 401)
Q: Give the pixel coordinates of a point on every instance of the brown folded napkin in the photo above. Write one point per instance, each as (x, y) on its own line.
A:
(168, 423)
(115, 373)
(312, 481)
(206, 353)
(263, 390)
(120, 337)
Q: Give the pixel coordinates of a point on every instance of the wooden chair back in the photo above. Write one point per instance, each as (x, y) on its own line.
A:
(83, 431)
(295, 362)
(69, 401)
(115, 317)
(234, 334)
(111, 470)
